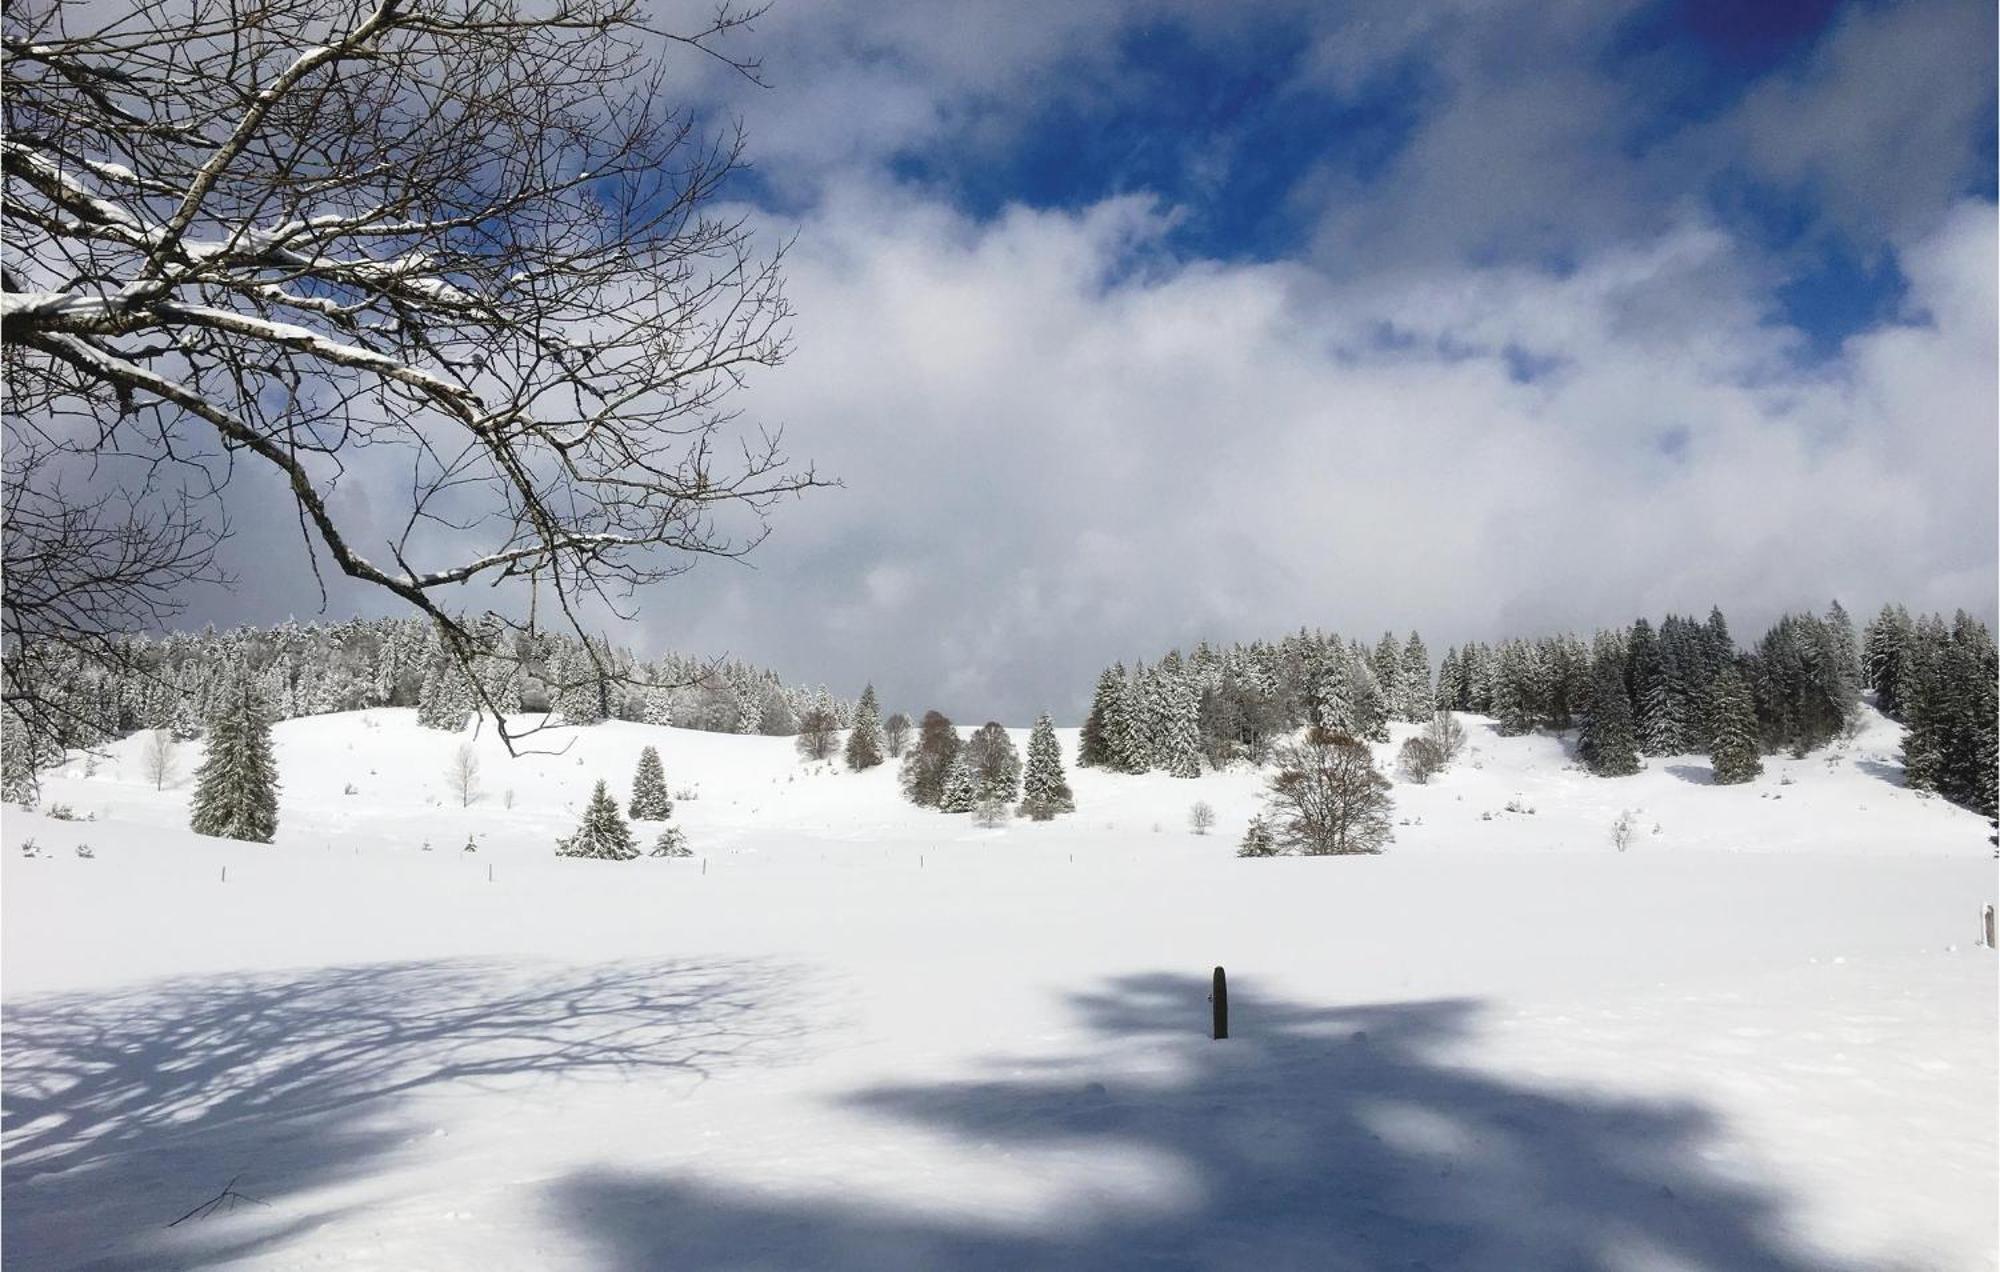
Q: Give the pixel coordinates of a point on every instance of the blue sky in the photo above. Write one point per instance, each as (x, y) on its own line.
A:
(1130, 322)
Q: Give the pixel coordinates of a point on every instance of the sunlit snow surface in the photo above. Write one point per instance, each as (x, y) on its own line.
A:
(851, 1034)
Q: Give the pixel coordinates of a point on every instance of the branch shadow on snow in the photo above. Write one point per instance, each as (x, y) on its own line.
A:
(123, 1110)
(1329, 1138)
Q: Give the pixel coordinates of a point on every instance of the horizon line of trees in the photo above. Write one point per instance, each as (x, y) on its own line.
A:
(1683, 687)
(179, 681)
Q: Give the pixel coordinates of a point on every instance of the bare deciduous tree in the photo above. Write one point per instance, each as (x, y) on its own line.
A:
(1327, 797)
(461, 252)
(818, 733)
(463, 774)
(1445, 733)
(1201, 817)
(159, 757)
(896, 734)
(1420, 759)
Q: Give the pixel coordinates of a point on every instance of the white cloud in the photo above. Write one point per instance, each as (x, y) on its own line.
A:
(1050, 462)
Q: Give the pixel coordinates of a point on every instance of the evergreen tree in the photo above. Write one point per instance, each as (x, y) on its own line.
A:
(1094, 747)
(650, 801)
(1414, 703)
(864, 738)
(1044, 790)
(1258, 841)
(1132, 736)
(1177, 744)
(1514, 691)
(1387, 661)
(1733, 752)
(603, 835)
(961, 788)
(236, 788)
(580, 692)
(446, 699)
(1887, 661)
(1608, 744)
(672, 842)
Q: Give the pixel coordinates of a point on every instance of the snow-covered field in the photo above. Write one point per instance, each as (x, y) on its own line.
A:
(852, 1034)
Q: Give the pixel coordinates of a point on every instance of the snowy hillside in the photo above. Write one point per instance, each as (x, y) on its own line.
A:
(852, 1033)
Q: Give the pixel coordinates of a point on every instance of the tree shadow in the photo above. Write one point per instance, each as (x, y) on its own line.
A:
(1695, 774)
(122, 1110)
(1894, 774)
(1326, 1138)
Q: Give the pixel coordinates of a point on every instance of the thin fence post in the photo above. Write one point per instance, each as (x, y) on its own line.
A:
(1986, 926)
(1218, 997)
(225, 874)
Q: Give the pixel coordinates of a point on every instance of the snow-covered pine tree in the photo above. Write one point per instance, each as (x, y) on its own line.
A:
(1607, 743)
(446, 699)
(1044, 790)
(1094, 746)
(1258, 840)
(236, 787)
(1514, 704)
(961, 788)
(1125, 730)
(672, 842)
(650, 801)
(1413, 685)
(1366, 698)
(603, 834)
(579, 690)
(1887, 659)
(864, 738)
(1387, 661)
(1177, 744)
(1660, 730)
(1733, 751)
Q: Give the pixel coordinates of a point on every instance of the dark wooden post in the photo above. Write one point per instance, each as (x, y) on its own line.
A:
(1219, 999)
(1986, 923)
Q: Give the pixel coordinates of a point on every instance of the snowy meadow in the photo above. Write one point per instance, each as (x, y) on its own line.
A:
(853, 1033)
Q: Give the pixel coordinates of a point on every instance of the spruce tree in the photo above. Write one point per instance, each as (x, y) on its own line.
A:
(1258, 840)
(1414, 686)
(650, 801)
(864, 738)
(1607, 743)
(603, 834)
(1177, 745)
(961, 788)
(236, 788)
(1044, 790)
(1733, 752)
(446, 699)
(1094, 747)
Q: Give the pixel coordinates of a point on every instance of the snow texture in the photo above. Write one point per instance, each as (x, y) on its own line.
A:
(851, 1033)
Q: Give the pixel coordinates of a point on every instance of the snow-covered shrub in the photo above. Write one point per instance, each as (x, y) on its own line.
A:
(1621, 831)
(989, 812)
(61, 812)
(84, 851)
(672, 842)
